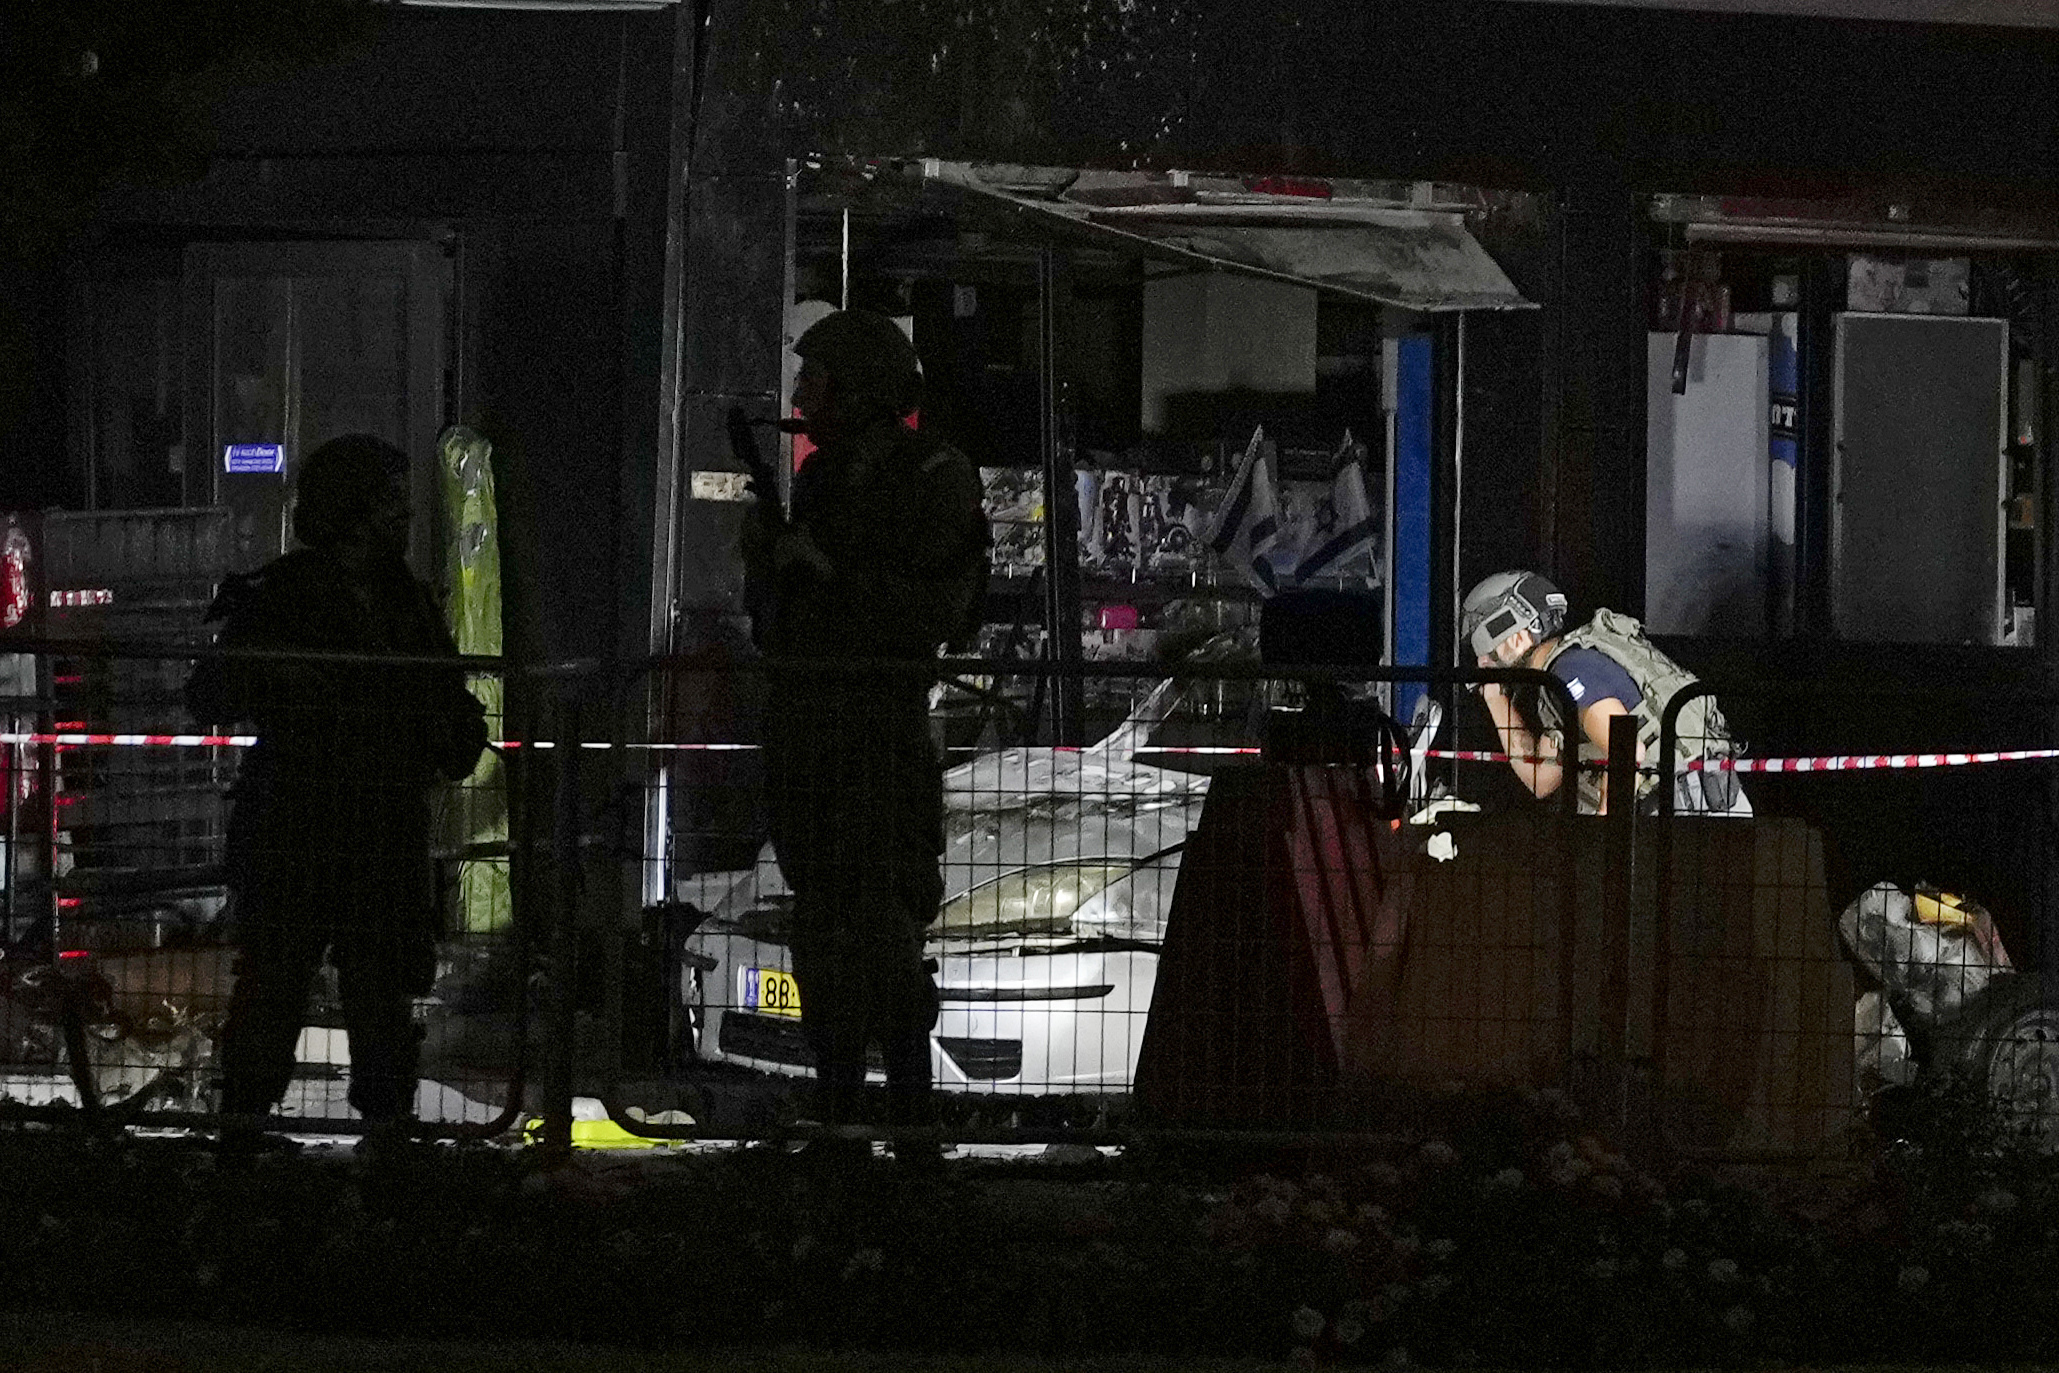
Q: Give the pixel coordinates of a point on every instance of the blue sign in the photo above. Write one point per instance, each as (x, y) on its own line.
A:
(254, 457)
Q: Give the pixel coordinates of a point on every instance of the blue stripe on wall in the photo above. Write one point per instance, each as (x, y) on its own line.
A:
(1414, 454)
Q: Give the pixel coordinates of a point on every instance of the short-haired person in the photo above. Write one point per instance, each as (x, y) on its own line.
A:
(1609, 668)
(328, 851)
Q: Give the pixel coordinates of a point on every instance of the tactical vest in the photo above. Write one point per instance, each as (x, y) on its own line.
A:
(1700, 731)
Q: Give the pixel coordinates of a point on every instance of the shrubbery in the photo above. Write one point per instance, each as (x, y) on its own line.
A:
(1517, 1238)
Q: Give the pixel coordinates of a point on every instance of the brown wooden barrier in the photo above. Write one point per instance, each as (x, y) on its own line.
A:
(1318, 959)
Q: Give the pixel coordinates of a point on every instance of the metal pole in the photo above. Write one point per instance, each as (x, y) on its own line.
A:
(561, 1012)
(671, 455)
(1619, 877)
(671, 344)
(1061, 515)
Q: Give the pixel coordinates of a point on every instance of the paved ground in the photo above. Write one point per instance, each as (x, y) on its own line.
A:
(57, 1344)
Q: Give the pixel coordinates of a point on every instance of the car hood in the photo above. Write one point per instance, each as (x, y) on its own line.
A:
(1018, 808)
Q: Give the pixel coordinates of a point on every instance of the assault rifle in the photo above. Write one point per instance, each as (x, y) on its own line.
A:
(764, 479)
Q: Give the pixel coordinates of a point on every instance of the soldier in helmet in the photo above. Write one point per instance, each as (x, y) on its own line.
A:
(1609, 668)
(884, 557)
(329, 827)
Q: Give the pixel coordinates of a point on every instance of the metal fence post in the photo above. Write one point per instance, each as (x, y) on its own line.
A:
(561, 1007)
(1662, 864)
(1619, 876)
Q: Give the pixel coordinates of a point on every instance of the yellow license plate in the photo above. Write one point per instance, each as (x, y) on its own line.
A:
(769, 991)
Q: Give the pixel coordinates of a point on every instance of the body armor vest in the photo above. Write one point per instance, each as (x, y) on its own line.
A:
(1700, 728)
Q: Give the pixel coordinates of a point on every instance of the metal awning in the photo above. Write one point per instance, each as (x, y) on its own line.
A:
(1416, 259)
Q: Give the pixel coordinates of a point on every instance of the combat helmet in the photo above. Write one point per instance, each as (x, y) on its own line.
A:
(1505, 604)
(867, 357)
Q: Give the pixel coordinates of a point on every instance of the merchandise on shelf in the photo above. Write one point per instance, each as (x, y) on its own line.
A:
(1014, 501)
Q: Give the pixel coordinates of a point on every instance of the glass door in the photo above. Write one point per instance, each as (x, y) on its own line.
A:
(297, 343)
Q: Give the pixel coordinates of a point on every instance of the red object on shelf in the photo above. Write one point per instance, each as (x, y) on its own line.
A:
(1118, 617)
(1308, 187)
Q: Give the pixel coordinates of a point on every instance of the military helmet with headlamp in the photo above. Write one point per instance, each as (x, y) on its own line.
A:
(1506, 604)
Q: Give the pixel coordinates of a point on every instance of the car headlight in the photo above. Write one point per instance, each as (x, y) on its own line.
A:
(1134, 908)
(1041, 900)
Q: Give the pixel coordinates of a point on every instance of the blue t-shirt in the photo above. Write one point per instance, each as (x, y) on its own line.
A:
(1591, 675)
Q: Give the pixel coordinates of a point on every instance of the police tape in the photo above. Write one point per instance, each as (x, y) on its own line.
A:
(1872, 762)
(77, 739)
(1839, 762)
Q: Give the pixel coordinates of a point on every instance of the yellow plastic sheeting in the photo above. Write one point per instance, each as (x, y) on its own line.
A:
(476, 812)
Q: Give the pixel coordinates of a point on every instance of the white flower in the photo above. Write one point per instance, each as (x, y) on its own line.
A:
(1601, 1270)
(1610, 1187)
(1675, 1259)
(1385, 1174)
(1433, 1286)
(1307, 1322)
(1349, 1330)
(1723, 1270)
(1274, 1209)
(1339, 1240)
(1438, 1154)
(1913, 1278)
(1507, 1180)
(1738, 1318)
(1441, 1250)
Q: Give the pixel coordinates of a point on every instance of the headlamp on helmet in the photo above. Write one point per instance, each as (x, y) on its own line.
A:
(1506, 604)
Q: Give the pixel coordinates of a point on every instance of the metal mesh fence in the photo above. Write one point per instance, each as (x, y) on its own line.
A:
(1244, 902)
(1914, 829)
(1235, 906)
(167, 876)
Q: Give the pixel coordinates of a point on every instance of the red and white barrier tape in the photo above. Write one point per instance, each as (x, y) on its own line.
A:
(1872, 762)
(73, 739)
(1841, 762)
(78, 739)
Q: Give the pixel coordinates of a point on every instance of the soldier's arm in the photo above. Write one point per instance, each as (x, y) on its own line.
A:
(1525, 749)
(228, 690)
(459, 717)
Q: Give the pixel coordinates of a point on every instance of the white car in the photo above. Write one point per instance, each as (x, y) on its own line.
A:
(1059, 868)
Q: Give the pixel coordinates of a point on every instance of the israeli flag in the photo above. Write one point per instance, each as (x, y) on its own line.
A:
(1248, 523)
(1344, 528)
